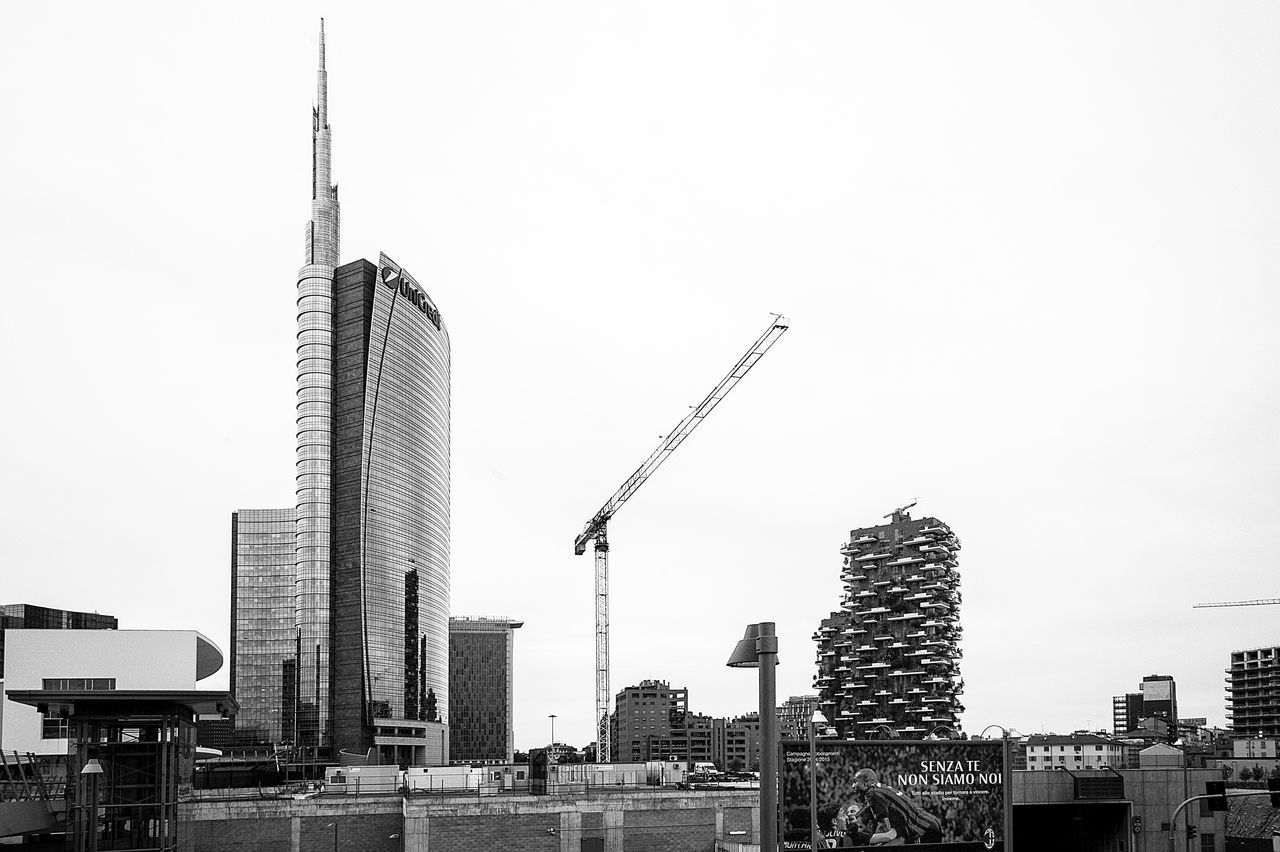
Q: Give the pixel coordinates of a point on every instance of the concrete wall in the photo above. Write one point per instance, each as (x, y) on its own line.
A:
(672, 821)
(1150, 795)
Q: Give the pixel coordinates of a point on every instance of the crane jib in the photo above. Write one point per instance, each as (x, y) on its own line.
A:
(596, 527)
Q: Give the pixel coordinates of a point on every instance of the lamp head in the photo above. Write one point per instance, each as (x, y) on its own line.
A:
(758, 639)
(92, 767)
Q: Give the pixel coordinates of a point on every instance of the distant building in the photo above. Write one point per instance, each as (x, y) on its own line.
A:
(742, 744)
(1157, 697)
(263, 636)
(1253, 696)
(794, 716)
(652, 721)
(481, 690)
(1073, 751)
(1255, 748)
(889, 657)
(32, 617)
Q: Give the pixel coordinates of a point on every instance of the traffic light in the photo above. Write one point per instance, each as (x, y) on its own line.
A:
(1192, 832)
(1217, 792)
(1273, 787)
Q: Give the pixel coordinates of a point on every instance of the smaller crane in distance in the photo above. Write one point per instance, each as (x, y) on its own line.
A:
(1258, 602)
(597, 528)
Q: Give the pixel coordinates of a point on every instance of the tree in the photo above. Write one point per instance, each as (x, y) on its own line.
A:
(520, 757)
(1246, 774)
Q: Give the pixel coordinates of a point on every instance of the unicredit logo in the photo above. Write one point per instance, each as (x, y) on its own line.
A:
(395, 279)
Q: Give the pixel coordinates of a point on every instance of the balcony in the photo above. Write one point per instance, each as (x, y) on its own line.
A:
(871, 557)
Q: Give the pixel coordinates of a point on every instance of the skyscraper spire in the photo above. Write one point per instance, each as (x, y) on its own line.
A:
(323, 233)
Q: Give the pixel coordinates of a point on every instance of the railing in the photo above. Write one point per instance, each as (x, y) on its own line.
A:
(24, 779)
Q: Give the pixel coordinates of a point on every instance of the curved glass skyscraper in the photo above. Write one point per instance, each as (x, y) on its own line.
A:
(372, 555)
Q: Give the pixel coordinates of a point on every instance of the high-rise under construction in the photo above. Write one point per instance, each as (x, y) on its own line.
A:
(888, 658)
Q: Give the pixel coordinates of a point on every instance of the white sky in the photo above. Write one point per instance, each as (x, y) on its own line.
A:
(1028, 251)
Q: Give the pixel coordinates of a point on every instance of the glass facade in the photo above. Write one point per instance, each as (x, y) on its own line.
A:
(263, 635)
(390, 485)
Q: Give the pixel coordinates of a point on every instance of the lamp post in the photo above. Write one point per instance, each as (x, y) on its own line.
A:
(552, 716)
(818, 719)
(91, 772)
(758, 648)
(335, 833)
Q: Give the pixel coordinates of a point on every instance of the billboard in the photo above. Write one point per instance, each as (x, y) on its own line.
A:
(939, 795)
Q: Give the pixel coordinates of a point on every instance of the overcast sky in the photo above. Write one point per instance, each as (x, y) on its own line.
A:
(1028, 252)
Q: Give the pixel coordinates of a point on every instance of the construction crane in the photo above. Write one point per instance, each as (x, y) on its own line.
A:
(1259, 602)
(597, 528)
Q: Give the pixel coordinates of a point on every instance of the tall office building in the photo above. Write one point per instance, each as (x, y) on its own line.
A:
(32, 617)
(371, 549)
(264, 637)
(888, 659)
(1253, 692)
(481, 690)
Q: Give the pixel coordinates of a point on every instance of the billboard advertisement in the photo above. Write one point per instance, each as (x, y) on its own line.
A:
(939, 795)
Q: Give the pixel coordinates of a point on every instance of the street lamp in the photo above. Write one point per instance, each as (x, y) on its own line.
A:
(818, 719)
(758, 648)
(91, 772)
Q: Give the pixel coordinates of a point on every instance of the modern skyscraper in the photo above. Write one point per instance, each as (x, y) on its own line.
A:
(481, 690)
(1253, 692)
(888, 658)
(371, 549)
(263, 633)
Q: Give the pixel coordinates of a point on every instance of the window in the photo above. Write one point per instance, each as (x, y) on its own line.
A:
(54, 728)
(1206, 842)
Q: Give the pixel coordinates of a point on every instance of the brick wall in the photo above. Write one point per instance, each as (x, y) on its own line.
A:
(660, 830)
(235, 835)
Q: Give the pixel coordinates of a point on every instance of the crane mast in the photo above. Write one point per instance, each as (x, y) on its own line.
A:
(596, 529)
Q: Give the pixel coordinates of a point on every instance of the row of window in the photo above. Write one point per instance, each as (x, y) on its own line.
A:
(79, 684)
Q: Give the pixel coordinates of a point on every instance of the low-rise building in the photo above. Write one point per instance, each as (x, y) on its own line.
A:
(97, 661)
(1073, 751)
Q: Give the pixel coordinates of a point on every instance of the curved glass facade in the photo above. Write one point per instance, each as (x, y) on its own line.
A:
(390, 486)
(405, 518)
